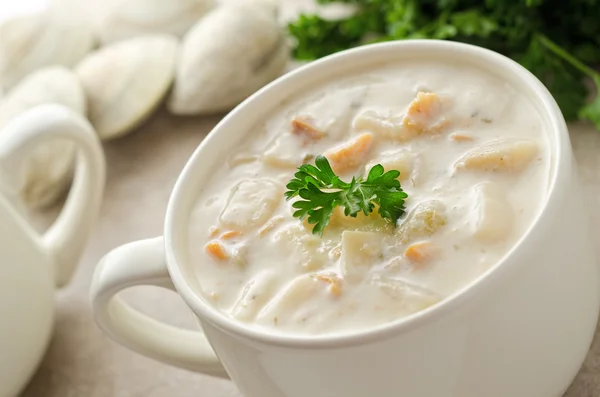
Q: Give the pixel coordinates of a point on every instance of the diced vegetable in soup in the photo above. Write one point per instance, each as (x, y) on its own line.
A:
(364, 200)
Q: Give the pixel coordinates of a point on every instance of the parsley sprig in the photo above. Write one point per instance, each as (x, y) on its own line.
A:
(558, 41)
(321, 191)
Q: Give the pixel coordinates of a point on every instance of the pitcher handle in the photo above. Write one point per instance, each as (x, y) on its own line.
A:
(66, 238)
(143, 263)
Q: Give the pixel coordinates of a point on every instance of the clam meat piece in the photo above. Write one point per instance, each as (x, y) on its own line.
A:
(505, 155)
(126, 81)
(30, 42)
(131, 18)
(360, 251)
(308, 252)
(229, 54)
(49, 171)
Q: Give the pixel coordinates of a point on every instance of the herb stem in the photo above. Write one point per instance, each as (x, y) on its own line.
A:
(558, 50)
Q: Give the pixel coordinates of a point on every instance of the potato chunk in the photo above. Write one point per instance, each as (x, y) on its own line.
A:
(350, 154)
(308, 253)
(360, 250)
(257, 292)
(303, 296)
(410, 297)
(402, 161)
(506, 155)
(494, 216)
(423, 221)
(284, 152)
(251, 203)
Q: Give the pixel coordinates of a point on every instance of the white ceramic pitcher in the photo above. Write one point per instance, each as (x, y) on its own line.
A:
(33, 265)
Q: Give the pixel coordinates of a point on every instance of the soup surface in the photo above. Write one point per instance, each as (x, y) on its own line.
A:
(473, 158)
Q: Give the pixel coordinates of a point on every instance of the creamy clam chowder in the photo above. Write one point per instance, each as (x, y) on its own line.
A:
(473, 158)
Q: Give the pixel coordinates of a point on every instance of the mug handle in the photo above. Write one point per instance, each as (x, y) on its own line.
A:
(143, 263)
(66, 238)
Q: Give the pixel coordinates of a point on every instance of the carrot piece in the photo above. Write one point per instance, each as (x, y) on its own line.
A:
(423, 114)
(216, 250)
(461, 137)
(420, 252)
(350, 154)
(426, 105)
(230, 234)
(213, 231)
(303, 126)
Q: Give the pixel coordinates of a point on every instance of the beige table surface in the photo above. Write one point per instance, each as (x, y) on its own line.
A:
(142, 168)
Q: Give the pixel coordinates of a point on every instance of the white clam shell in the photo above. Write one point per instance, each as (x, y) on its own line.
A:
(230, 53)
(126, 81)
(130, 18)
(50, 169)
(29, 42)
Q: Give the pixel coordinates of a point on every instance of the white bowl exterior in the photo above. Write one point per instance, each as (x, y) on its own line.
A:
(524, 337)
(521, 331)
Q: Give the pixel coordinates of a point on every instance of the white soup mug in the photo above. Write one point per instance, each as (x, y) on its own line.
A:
(520, 330)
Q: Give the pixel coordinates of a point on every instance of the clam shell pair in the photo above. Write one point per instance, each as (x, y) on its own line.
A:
(121, 85)
(49, 170)
(124, 82)
(30, 42)
(229, 54)
(226, 56)
(132, 18)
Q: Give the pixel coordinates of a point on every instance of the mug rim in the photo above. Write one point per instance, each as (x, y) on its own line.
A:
(556, 129)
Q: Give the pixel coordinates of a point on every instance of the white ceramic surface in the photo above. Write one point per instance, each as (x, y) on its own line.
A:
(537, 309)
(33, 265)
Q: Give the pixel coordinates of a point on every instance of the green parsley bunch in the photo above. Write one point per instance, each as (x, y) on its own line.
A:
(557, 40)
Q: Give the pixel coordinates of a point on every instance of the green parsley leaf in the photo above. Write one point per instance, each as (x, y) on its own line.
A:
(320, 191)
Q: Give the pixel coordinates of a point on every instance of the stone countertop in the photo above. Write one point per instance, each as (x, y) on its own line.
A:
(142, 168)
